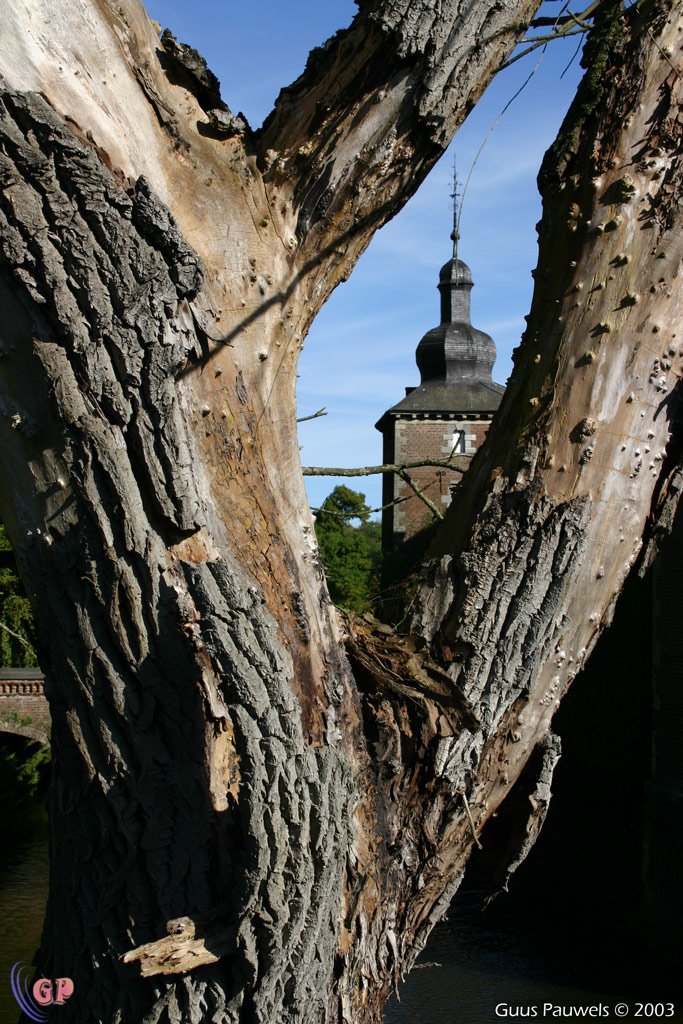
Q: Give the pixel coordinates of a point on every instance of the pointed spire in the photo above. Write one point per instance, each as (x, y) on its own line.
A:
(455, 351)
(455, 196)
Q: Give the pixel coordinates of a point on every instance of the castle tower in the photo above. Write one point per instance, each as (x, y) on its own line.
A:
(448, 413)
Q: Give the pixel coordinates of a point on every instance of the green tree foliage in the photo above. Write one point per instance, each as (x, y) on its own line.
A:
(23, 771)
(351, 555)
(16, 622)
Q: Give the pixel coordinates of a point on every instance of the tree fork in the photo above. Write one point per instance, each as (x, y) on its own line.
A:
(207, 741)
(580, 468)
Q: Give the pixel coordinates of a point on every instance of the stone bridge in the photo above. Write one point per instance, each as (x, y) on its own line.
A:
(23, 707)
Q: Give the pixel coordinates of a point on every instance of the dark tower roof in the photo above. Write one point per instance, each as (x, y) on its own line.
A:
(455, 351)
(455, 359)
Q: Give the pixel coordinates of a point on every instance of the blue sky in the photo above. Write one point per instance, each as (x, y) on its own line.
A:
(360, 353)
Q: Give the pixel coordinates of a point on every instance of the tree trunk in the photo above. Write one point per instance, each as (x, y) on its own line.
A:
(301, 818)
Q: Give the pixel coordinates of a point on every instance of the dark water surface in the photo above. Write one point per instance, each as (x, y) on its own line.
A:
(23, 891)
(513, 954)
(481, 967)
(579, 928)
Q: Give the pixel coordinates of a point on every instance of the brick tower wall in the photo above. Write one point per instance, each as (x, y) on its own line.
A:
(416, 439)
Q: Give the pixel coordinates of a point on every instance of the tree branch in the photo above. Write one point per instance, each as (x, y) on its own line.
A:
(370, 511)
(389, 467)
(313, 416)
(16, 636)
(351, 140)
(542, 41)
(568, 25)
(436, 512)
(569, 18)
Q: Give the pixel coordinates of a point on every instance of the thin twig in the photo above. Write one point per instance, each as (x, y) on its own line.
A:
(313, 416)
(551, 22)
(560, 21)
(542, 41)
(389, 467)
(537, 40)
(469, 815)
(574, 56)
(436, 512)
(369, 512)
(486, 139)
(16, 636)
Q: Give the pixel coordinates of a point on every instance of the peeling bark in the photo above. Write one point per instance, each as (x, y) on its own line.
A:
(580, 473)
(538, 800)
(247, 825)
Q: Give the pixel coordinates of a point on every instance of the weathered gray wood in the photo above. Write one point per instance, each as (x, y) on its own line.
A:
(581, 468)
(169, 687)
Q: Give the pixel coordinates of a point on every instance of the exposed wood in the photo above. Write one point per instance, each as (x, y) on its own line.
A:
(207, 738)
(181, 951)
(547, 754)
(403, 665)
(582, 461)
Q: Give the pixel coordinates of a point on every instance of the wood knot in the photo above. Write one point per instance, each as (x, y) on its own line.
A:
(620, 191)
(585, 428)
(181, 926)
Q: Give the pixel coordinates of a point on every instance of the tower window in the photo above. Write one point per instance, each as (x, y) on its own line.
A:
(459, 442)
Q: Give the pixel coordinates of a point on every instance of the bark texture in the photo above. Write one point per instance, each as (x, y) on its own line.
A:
(207, 732)
(169, 688)
(582, 467)
(247, 825)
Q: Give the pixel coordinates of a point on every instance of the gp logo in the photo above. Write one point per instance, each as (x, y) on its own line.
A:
(43, 993)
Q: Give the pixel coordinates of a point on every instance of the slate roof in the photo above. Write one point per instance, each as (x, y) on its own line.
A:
(436, 398)
(467, 396)
(455, 359)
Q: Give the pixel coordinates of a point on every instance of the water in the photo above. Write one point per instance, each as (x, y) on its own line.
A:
(520, 952)
(23, 891)
(505, 958)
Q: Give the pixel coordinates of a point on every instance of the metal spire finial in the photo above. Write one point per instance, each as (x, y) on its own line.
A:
(455, 196)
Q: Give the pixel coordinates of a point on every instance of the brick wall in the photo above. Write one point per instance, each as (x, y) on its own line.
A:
(416, 439)
(23, 708)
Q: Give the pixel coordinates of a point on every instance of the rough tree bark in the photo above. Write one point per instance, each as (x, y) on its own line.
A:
(302, 816)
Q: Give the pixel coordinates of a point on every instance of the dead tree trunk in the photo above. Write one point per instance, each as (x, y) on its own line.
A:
(302, 817)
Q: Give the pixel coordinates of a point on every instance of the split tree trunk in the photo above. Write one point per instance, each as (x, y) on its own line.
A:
(304, 818)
